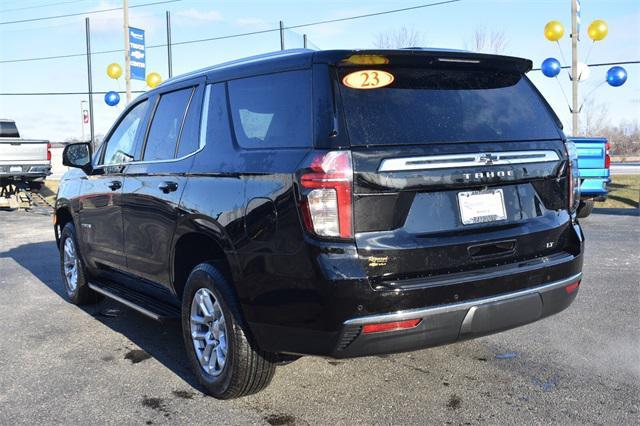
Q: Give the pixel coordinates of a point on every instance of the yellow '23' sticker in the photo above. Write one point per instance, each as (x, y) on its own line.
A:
(368, 79)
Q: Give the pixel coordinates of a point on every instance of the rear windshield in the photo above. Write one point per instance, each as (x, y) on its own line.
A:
(8, 129)
(423, 106)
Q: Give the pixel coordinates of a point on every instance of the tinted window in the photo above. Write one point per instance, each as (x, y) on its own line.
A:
(166, 125)
(121, 144)
(446, 105)
(190, 137)
(272, 111)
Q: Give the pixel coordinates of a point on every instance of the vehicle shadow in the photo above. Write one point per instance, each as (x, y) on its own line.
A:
(161, 341)
(617, 211)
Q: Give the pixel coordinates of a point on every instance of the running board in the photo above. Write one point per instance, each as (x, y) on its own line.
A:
(142, 303)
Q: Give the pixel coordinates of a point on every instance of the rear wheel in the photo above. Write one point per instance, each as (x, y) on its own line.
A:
(585, 208)
(224, 360)
(73, 274)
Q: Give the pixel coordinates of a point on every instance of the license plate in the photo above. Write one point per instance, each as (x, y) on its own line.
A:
(481, 206)
(15, 169)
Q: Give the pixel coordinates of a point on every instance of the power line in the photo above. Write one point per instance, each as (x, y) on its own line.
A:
(40, 6)
(66, 93)
(224, 37)
(92, 12)
(602, 64)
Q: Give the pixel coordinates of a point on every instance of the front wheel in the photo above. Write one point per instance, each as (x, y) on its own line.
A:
(225, 362)
(73, 274)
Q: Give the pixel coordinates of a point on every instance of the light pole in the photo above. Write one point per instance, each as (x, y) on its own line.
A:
(127, 58)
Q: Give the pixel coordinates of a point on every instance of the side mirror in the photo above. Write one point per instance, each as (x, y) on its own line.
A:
(78, 155)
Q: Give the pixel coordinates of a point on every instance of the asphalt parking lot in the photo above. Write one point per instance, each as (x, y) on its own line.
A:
(105, 364)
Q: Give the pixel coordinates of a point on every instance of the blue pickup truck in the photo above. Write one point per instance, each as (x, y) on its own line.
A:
(593, 164)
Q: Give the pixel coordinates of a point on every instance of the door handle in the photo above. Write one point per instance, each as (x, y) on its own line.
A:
(168, 187)
(115, 185)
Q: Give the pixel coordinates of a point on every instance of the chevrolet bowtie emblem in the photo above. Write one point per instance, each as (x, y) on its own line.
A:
(487, 159)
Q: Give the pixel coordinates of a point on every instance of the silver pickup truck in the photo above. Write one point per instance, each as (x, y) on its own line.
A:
(24, 163)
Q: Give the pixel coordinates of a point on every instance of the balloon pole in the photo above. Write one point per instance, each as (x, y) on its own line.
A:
(574, 67)
(127, 58)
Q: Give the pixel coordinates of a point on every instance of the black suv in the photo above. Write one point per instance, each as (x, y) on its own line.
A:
(335, 203)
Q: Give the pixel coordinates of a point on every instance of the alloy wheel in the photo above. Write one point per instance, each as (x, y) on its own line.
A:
(70, 264)
(208, 332)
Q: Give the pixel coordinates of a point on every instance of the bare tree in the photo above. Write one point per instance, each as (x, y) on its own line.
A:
(396, 39)
(594, 118)
(483, 40)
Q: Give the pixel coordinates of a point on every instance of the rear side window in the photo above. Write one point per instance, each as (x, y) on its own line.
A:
(272, 111)
(423, 106)
(166, 125)
(190, 137)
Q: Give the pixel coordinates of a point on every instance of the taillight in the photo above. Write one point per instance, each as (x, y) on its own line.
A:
(573, 177)
(48, 152)
(607, 157)
(326, 199)
(572, 287)
(390, 326)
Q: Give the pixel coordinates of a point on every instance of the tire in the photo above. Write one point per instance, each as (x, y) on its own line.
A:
(35, 186)
(240, 368)
(76, 288)
(585, 208)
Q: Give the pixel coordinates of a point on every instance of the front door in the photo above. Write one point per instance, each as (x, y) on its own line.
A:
(101, 226)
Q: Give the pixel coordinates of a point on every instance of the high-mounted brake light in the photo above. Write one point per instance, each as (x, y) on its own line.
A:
(607, 157)
(48, 152)
(327, 208)
(390, 326)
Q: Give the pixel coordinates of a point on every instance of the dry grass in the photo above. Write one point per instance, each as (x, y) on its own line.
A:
(624, 192)
(49, 190)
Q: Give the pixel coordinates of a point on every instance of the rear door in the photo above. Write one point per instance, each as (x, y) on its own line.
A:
(461, 165)
(101, 228)
(153, 187)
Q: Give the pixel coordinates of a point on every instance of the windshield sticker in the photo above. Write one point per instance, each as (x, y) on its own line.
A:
(368, 79)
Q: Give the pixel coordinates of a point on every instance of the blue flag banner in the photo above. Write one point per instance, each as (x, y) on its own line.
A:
(137, 55)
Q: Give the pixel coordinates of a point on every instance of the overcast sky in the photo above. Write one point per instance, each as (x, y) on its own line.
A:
(451, 26)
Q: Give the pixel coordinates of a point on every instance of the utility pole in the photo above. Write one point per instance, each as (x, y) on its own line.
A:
(169, 59)
(127, 57)
(575, 36)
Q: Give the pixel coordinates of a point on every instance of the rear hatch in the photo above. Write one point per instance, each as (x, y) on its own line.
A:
(459, 165)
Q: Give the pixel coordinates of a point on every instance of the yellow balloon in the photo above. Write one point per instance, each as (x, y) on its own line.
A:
(153, 79)
(553, 31)
(114, 71)
(598, 30)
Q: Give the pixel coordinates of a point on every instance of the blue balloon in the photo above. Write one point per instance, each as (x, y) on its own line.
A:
(112, 98)
(616, 76)
(550, 67)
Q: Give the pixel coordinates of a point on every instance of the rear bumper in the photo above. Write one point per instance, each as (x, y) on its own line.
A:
(30, 170)
(594, 187)
(457, 321)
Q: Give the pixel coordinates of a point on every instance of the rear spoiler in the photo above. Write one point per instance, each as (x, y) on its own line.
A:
(419, 56)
